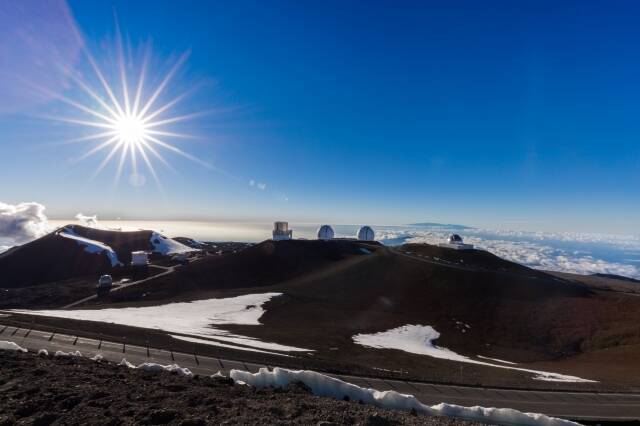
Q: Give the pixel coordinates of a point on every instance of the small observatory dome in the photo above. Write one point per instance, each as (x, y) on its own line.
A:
(366, 234)
(455, 239)
(325, 232)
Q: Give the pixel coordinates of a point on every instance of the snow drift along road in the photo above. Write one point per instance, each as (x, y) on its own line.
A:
(326, 386)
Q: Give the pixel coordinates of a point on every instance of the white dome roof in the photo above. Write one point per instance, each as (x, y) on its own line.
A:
(365, 233)
(325, 232)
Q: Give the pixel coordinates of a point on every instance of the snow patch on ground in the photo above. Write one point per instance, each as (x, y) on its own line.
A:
(418, 339)
(153, 367)
(91, 246)
(167, 246)
(194, 320)
(226, 345)
(11, 346)
(125, 363)
(327, 386)
(43, 352)
(62, 354)
(496, 360)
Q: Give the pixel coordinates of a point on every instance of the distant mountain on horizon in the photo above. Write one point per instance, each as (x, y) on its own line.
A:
(439, 225)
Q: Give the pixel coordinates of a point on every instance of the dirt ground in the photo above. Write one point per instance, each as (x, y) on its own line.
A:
(331, 291)
(44, 390)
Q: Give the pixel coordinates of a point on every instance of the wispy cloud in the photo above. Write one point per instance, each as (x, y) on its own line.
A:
(260, 185)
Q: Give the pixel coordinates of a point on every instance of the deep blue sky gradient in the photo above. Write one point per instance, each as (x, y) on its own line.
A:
(499, 113)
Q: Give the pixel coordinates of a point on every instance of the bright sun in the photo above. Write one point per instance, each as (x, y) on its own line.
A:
(130, 130)
(131, 125)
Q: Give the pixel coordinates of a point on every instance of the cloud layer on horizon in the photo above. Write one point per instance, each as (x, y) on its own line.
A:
(562, 252)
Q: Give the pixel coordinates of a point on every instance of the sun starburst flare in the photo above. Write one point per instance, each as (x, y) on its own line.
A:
(130, 126)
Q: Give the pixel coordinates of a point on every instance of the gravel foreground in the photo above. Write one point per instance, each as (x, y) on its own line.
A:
(38, 390)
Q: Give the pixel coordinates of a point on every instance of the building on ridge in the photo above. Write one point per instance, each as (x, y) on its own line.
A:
(281, 231)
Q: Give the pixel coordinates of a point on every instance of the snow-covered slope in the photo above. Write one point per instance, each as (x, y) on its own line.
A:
(190, 321)
(167, 246)
(91, 246)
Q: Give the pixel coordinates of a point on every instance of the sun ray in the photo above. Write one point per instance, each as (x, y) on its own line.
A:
(143, 72)
(134, 159)
(73, 103)
(123, 74)
(98, 148)
(105, 85)
(177, 151)
(170, 134)
(168, 105)
(86, 138)
(152, 170)
(178, 119)
(83, 122)
(157, 155)
(164, 83)
(85, 87)
(107, 159)
(123, 157)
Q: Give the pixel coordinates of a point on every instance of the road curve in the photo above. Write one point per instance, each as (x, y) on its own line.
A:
(167, 270)
(570, 405)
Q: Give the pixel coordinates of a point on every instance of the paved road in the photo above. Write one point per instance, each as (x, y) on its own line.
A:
(573, 405)
(427, 259)
(167, 270)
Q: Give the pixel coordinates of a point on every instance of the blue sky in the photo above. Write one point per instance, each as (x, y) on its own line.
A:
(519, 115)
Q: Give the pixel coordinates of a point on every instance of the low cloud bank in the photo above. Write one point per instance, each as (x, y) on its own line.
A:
(22, 223)
(581, 253)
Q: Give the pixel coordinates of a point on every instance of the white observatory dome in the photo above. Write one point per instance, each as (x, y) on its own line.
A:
(455, 239)
(366, 234)
(325, 232)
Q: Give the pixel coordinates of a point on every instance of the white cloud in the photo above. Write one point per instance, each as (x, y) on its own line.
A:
(89, 221)
(252, 182)
(22, 223)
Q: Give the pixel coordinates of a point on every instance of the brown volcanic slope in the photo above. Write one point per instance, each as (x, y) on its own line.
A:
(530, 314)
(333, 290)
(122, 242)
(264, 264)
(54, 258)
(50, 258)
